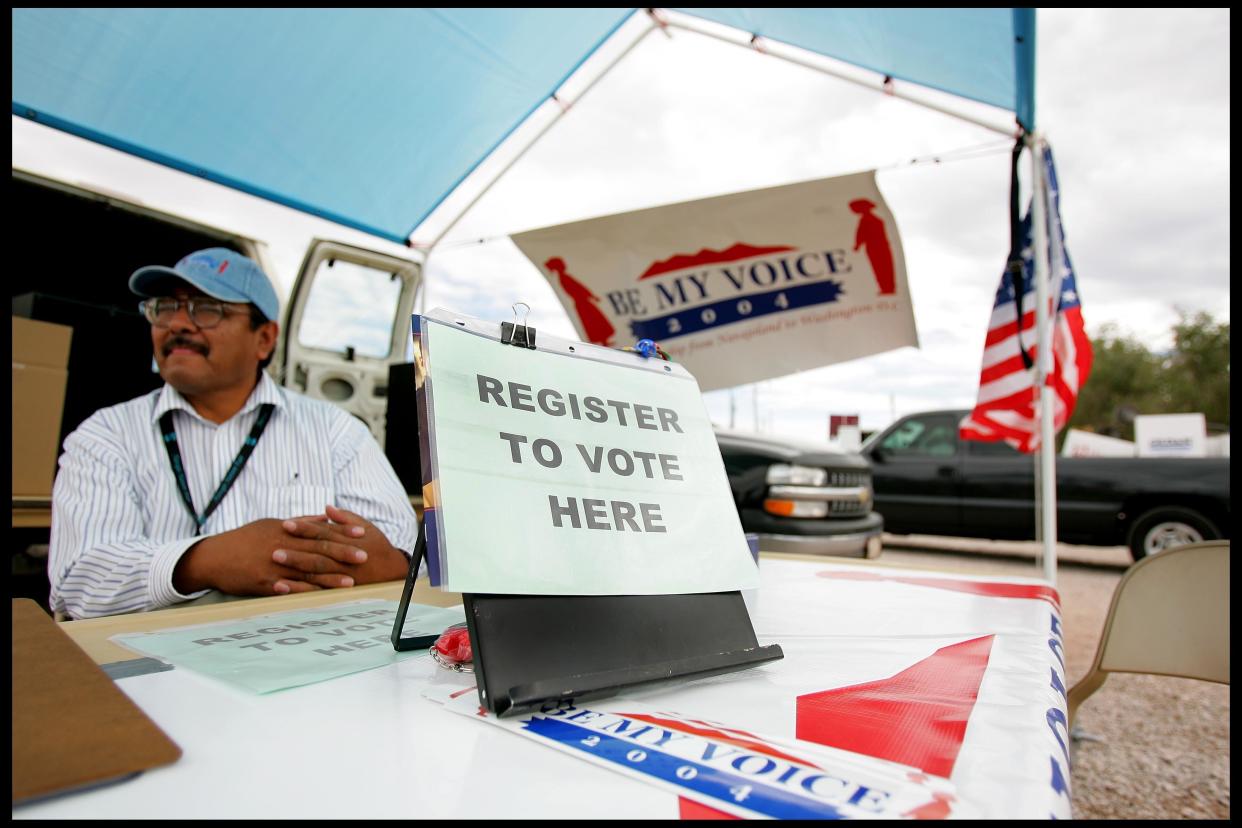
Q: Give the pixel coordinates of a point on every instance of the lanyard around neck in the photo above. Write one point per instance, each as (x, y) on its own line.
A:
(239, 462)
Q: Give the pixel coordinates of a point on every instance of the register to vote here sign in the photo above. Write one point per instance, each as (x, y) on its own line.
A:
(591, 473)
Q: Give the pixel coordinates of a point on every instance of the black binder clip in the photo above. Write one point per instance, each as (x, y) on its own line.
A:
(512, 333)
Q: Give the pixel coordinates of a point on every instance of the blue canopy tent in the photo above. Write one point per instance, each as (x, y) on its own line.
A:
(372, 118)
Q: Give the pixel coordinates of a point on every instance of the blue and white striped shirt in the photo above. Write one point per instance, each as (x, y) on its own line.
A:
(119, 525)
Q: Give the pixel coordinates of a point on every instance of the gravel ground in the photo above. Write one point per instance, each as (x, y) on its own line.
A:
(1154, 747)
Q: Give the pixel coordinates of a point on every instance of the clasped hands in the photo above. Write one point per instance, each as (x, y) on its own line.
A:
(276, 557)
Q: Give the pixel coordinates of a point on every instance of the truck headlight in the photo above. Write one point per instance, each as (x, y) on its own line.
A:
(785, 474)
(796, 508)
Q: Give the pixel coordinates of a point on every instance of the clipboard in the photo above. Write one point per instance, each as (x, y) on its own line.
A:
(532, 649)
(73, 728)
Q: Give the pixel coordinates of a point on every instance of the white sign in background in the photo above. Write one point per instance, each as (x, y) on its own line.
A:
(1080, 443)
(1171, 435)
(575, 476)
(739, 287)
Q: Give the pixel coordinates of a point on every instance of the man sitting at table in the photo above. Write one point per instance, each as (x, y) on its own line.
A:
(221, 482)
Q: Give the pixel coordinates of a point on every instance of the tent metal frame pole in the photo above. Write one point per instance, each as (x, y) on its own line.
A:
(564, 107)
(664, 19)
(780, 50)
(1046, 487)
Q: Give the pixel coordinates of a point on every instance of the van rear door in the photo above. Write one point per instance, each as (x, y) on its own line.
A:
(348, 319)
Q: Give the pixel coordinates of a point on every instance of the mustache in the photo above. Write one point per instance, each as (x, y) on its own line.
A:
(179, 341)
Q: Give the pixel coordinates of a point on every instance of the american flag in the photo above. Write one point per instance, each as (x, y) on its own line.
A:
(1008, 401)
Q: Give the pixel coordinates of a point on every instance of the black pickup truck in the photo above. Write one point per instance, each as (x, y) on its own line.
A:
(929, 481)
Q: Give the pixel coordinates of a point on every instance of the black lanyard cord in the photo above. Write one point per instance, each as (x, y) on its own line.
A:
(239, 462)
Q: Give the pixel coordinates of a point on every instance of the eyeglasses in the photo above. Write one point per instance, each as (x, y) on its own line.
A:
(204, 313)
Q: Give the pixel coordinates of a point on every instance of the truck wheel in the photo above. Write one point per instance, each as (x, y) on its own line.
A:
(1167, 526)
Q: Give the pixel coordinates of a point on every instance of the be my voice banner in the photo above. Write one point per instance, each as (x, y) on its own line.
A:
(739, 287)
(572, 470)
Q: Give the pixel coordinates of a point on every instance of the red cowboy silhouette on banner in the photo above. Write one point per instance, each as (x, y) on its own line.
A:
(596, 326)
(872, 236)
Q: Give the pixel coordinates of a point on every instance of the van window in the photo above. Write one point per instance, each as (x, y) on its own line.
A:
(350, 305)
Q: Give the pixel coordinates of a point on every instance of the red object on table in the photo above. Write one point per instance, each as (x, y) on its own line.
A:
(453, 645)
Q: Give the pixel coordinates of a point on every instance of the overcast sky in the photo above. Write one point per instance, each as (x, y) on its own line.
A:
(1135, 104)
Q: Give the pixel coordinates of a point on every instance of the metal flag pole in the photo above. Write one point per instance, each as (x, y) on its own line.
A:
(754, 399)
(1046, 487)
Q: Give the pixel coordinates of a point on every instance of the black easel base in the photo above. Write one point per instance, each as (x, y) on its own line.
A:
(531, 650)
(414, 642)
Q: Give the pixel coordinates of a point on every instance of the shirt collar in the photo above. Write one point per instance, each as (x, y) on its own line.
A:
(267, 391)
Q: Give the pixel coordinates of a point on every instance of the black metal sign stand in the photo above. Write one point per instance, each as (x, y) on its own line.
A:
(414, 642)
(531, 650)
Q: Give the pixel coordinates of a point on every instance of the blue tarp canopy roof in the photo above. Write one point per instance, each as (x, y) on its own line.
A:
(371, 117)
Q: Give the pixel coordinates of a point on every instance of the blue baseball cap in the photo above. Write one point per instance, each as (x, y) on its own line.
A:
(218, 272)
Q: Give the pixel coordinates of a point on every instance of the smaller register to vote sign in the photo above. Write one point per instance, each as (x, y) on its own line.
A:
(570, 469)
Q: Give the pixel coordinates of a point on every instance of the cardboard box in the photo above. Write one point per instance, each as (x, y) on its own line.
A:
(40, 357)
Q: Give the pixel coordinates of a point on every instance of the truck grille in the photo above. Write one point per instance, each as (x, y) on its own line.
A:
(849, 478)
(847, 494)
(851, 507)
(842, 509)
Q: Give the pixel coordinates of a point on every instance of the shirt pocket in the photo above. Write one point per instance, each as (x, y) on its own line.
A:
(284, 502)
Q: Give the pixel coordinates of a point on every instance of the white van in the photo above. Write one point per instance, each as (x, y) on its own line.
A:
(344, 335)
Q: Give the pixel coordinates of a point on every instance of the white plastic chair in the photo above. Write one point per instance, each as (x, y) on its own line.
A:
(1169, 617)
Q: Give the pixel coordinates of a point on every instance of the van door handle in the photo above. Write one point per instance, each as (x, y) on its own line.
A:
(946, 471)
